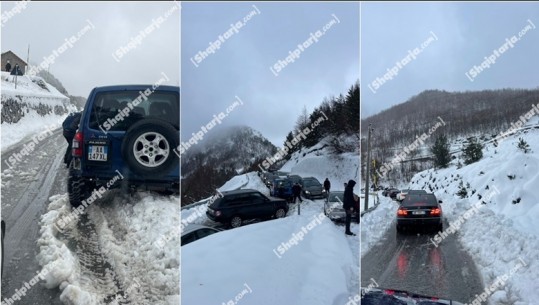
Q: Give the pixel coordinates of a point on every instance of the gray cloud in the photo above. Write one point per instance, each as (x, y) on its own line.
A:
(466, 32)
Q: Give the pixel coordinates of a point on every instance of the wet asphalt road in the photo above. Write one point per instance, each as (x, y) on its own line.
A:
(26, 188)
(411, 262)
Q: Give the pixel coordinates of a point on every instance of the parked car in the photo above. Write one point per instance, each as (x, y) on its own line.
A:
(333, 207)
(195, 232)
(282, 188)
(234, 207)
(388, 190)
(420, 210)
(295, 179)
(128, 131)
(393, 193)
(268, 179)
(312, 188)
(401, 195)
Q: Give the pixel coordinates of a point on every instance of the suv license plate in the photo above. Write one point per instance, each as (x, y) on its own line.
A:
(97, 153)
(418, 212)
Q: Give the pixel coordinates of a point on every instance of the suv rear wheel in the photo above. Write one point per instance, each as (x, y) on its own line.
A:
(76, 189)
(235, 222)
(148, 147)
(280, 213)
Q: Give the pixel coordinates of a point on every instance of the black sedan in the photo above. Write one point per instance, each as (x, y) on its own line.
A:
(420, 210)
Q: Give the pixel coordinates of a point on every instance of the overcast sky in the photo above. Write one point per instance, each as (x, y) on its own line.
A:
(241, 67)
(111, 25)
(466, 33)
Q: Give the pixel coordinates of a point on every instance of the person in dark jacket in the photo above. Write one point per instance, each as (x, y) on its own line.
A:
(296, 190)
(327, 185)
(70, 126)
(8, 67)
(16, 70)
(349, 203)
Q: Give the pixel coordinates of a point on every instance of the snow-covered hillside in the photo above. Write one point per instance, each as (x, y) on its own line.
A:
(32, 107)
(493, 206)
(318, 162)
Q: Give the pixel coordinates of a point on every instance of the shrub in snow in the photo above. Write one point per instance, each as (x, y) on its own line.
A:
(523, 145)
(463, 192)
(473, 152)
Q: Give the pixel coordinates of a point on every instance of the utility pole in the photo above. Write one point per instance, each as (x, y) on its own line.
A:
(27, 60)
(368, 173)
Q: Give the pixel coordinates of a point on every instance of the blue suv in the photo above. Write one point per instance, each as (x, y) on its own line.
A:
(127, 138)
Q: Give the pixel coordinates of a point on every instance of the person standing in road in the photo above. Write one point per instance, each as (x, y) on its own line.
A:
(327, 185)
(70, 126)
(349, 202)
(8, 66)
(296, 190)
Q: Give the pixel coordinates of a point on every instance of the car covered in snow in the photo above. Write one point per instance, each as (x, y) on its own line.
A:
(194, 232)
(128, 136)
(420, 210)
(234, 207)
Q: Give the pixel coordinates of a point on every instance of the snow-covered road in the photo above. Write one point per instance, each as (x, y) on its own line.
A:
(125, 248)
(26, 187)
(411, 262)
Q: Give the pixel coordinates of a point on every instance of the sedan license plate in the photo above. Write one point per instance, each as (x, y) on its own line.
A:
(418, 212)
(97, 153)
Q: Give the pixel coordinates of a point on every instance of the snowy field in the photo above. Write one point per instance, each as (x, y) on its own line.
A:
(495, 218)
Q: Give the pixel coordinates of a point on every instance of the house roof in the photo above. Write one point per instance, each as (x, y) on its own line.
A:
(20, 59)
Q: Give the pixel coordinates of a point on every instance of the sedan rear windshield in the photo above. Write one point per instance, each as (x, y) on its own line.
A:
(422, 200)
(118, 110)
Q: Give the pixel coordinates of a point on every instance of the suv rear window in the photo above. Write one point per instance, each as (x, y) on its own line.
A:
(111, 110)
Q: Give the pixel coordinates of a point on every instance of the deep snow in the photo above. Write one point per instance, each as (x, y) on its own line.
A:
(299, 259)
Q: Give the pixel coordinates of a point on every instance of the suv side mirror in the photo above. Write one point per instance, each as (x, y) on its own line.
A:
(439, 201)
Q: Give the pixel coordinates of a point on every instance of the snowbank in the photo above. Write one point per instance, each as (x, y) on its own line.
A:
(318, 162)
(137, 237)
(255, 264)
(30, 108)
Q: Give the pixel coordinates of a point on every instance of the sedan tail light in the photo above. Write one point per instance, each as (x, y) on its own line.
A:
(77, 145)
(436, 212)
(402, 212)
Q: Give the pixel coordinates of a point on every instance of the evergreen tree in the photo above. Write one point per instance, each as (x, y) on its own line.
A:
(440, 150)
(473, 151)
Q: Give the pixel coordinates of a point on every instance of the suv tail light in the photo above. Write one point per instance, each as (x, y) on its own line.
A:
(77, 145)
(402, 212)
(436, 212)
